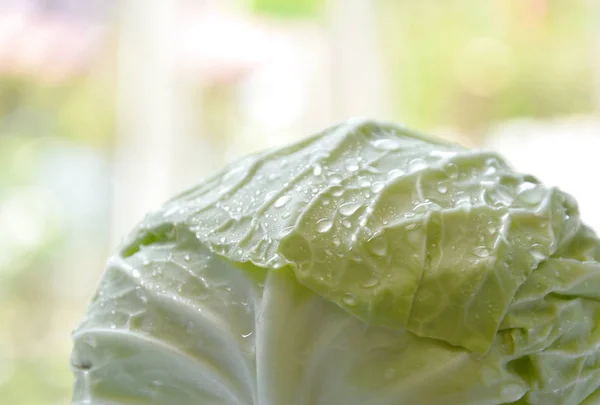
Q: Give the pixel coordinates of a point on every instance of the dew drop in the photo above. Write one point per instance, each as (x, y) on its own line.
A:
(364, 182)
(351, 165)
(378, 246)
(417, 164)
(490, 170)
(270, 195)
(275, 262)
(337, 192)
(349, 208)
(336, 241)
(187, 257)
(335, 179)
(362, 221)
(503, 196)
(370, 283)
(324, 225)
(451, 170)
(538, 252)
(442, 154)
(135, 273)
(377, 187)
(347, 224)
(386, 144)
(463, 202)
(511, 393)
(285, 232)
(394, 174)
(533, 196)
(281, 201)
(442, 187)
(481, 251)
(155, 384)
(349, 299)
(526, 186)
(273, 176)
(317, 170)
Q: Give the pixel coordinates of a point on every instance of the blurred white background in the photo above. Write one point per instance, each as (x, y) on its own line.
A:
(107, 108)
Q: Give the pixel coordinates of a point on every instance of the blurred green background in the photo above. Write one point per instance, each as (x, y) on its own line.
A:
(107, 108)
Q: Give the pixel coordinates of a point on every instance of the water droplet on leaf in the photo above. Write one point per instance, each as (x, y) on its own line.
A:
(481, 251)
(417, 164)
(351, 165)
(349, 208)
(285, 232)
(378, 246)
(370, 283)
(349, 299)
(364, 182)
(324, 225)
(386, 144)
(451, 170)
(394, 174)
(281, 201)
(377, 187)
(538, 252)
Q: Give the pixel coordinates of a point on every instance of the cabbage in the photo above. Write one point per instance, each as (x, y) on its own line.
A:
(365, 265)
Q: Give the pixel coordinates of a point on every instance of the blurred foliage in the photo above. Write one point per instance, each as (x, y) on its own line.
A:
(39, 122)
(80, 110)
(38, 381)
(466, 63)
(288, 8)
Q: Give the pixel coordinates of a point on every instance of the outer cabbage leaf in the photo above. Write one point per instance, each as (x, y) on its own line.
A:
(367, 264)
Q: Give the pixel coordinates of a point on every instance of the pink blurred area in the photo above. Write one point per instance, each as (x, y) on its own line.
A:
(49, 46)
(211, 46)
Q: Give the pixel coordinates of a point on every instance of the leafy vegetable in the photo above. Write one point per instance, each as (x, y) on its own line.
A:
(365, 265)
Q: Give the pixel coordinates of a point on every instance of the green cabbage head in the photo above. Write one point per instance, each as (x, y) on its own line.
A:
(367, 264)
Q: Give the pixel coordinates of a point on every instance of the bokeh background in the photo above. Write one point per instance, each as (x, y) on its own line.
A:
(109, 107)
